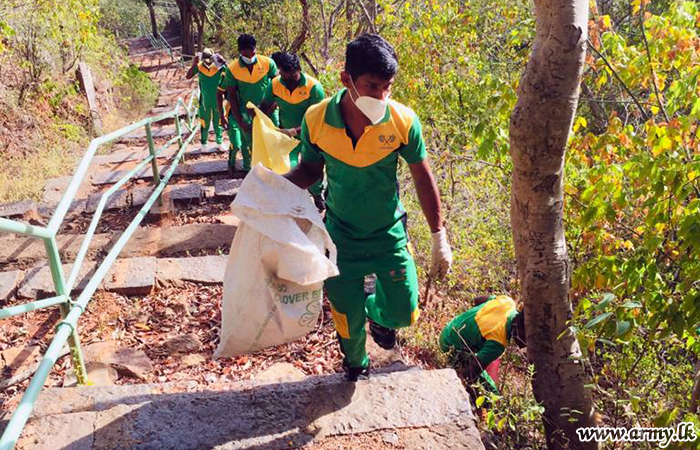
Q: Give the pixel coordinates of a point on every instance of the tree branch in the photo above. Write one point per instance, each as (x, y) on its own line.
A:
(645, 116)
(651, 67)
(368, 17)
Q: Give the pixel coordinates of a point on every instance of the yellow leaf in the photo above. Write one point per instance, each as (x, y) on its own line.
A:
(142, 326)
(629, 245)
(600, 281)
(636, 5)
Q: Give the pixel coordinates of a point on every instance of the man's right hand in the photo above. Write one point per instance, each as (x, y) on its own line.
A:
(244, 126)
(224, 122)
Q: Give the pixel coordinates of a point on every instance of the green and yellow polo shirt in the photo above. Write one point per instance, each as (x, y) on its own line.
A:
(484, 329)
(251, 85)
(363, 207)
(293, 104)
(209, 80)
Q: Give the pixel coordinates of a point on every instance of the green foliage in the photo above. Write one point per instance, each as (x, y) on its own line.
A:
(46, 114)
(633, 202)
(124, 17)
(136, 91)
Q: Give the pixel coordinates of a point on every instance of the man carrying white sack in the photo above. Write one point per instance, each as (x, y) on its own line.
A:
(359, 134)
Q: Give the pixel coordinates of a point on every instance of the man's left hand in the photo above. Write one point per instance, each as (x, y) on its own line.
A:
(441, 255)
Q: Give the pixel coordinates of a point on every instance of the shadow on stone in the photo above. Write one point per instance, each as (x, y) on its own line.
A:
(267, 417)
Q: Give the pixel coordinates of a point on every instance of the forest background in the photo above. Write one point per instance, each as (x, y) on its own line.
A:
(632, 204)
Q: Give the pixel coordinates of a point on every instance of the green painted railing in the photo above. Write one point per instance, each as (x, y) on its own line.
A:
(71, 310)
(160, 43)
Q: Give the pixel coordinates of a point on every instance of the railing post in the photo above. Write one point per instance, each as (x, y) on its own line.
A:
(60, 286)
(154, 162)
(178, 130)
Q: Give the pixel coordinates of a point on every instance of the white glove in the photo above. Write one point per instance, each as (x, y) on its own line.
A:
(441, 255)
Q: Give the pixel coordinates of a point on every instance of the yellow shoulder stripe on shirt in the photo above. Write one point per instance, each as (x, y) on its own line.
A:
(377, 142)
(241, 73)
(299, 94)
(210, 72)
(492, 317)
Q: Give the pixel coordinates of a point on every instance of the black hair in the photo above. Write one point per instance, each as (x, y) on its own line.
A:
(246, 42)
(286, 61)
(481, 299)
(371, 54)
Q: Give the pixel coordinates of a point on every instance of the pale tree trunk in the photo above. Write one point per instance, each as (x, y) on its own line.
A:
(539, 128)
(695, 395)
(348, 19)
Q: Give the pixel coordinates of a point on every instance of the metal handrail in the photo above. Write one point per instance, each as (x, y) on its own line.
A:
(66, 331)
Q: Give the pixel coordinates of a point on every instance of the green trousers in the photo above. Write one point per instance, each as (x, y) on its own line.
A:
(245, 140)
(294, 155)
(236, 140)
(206, 117)
(393, 305)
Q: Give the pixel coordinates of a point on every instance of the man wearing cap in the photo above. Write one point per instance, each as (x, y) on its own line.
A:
(210, 76)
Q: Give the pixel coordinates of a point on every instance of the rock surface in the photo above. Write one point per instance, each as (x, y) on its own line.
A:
(250, 415)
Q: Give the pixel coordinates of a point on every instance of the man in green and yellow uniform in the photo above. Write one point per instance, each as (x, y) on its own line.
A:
(479, 336)
(246, 80)
(293, 92)
(358, 135)
(210, 76)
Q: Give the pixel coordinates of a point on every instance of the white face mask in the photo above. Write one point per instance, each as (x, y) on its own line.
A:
(373, 108)
(249, 60)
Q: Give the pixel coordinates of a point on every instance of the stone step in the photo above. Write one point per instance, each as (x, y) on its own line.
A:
(135, 155)
(227, 188)
(128, 276)
(16, 210)
(133, 276)
(195, 169)
(163, 109)
(25, 250)
(170, 241)
(145, 243)
(164, 132)
(136, 197)
(430, 406)
(160, 242)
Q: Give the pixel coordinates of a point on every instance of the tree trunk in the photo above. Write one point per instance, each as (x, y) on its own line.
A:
(200, 19)
(539, 128)
(152, 12)
(695, 395)
(185, 8)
